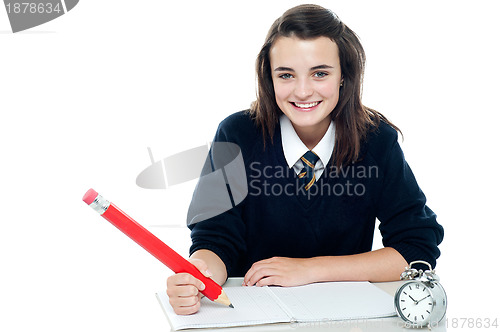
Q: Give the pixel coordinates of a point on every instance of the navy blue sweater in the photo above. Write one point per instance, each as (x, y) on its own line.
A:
(335, 217)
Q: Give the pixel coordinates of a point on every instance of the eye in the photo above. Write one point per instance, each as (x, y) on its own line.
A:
(285, 76)
(320, 74)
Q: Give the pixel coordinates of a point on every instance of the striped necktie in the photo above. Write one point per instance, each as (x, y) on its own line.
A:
(306, 175)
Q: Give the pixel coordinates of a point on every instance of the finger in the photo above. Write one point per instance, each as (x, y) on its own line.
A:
(250, 275)
(267, 281)
(184, 301)
(186, 305)
(183, 291)
(201, 266)
(183, 279)
(263, 272)
(256, 267)
(187, 310)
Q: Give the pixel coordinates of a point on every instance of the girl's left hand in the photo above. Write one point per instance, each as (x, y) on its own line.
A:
(280, 271)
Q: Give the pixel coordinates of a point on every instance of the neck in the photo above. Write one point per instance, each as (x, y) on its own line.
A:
(311, 136)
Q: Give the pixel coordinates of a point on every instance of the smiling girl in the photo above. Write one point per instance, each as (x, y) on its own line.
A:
(309, 125)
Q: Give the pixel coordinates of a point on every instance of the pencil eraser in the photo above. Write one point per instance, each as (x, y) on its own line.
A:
(89, 196)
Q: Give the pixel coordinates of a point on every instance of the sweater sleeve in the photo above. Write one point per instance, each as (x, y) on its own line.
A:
(406, 223)
(222, 233)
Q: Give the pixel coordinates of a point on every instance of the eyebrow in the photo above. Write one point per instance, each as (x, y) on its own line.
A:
(311, 69)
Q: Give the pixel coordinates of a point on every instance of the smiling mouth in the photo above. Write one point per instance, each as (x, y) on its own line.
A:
(305, 105)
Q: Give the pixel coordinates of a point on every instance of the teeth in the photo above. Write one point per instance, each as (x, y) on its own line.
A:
(307, 105)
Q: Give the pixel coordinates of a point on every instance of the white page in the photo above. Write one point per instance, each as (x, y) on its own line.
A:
(266, 305)
(335, 301)
(252, 306)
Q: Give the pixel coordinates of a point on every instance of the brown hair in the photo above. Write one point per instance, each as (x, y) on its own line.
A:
(352, 119)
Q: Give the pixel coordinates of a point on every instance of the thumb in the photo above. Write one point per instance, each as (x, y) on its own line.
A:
(201, 266)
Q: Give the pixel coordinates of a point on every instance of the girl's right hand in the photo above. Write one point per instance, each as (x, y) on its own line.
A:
(184, 290)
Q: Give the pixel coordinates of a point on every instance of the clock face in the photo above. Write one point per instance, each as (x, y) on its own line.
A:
(414, 303)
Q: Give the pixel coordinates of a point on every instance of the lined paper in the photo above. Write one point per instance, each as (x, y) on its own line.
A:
(335, 301)
(252, 306)
(266, 305)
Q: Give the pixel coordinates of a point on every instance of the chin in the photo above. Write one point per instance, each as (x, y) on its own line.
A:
(307, 120)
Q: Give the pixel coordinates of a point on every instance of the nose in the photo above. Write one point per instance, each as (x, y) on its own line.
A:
(303, 88)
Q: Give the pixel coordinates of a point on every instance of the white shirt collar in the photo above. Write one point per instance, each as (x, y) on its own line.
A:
(294, 148)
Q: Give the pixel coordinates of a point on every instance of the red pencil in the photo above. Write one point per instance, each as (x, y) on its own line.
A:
(153, 245)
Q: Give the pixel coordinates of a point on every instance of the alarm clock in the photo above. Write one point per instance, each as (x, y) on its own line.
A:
(421, 300)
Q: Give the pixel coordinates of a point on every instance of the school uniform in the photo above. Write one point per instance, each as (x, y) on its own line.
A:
(336, 216)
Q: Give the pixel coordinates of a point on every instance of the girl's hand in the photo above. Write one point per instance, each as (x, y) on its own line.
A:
(184, 290)
(280, 271)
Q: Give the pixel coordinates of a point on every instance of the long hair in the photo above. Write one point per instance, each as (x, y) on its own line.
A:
(353, 120)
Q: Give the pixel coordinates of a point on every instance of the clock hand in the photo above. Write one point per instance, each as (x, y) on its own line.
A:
(422, 299)
(414, 301)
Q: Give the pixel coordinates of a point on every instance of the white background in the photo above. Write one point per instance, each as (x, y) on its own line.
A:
(83, 96)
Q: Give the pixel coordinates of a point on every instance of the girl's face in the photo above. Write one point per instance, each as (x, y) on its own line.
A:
(306, 77)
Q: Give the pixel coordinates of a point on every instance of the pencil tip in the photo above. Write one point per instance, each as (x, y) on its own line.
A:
(231, 306)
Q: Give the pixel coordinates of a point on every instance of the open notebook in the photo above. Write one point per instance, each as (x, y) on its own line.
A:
(267, 305)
